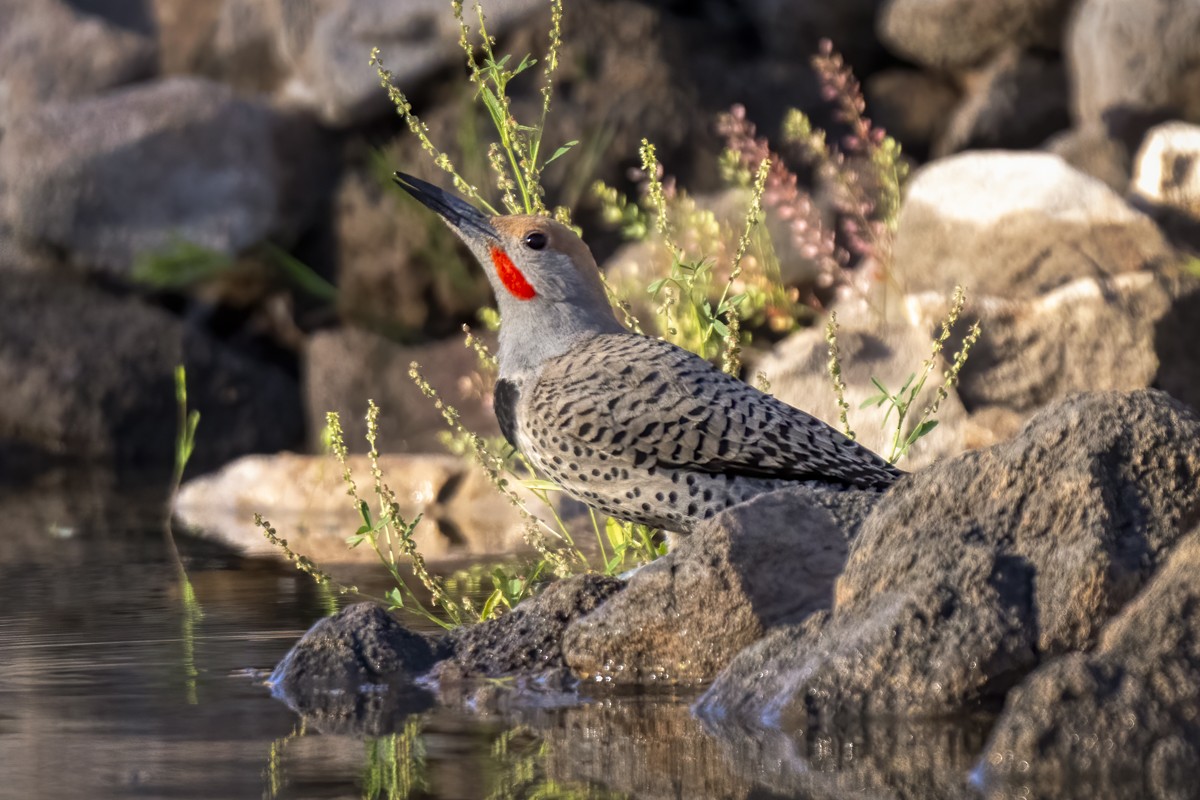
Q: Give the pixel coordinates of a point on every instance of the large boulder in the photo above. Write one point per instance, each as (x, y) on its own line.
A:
(971, 573)
(952, 34)
(345, 366)
(89, 376)
(328, 42)
(1128, 331)
(1120, 717)
(106, 180)
(767, 562)
(400, 269)
(1016, 225)
(304, 497)
(1017, 101)
(1133, 63)
(54, 50)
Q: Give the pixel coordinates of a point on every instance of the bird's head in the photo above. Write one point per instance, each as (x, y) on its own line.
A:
(545, 279)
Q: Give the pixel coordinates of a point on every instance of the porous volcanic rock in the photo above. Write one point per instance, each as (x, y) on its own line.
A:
(971, 573)
(104, 180)
(1121, 715)
(355, 672)
(527, 640)
(89, 376)
(763, 563)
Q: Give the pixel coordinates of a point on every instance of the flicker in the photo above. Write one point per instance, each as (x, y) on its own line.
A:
(635, 427)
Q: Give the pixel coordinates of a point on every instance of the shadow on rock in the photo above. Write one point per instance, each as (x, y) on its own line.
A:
(355, 673)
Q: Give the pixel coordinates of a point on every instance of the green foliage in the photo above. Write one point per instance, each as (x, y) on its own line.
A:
(902, 401)
(182, 264)
(185, 445)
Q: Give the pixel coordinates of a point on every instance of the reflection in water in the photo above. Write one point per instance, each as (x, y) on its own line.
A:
(113, 685)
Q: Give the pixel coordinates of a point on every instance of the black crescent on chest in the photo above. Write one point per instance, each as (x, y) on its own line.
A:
(504, 402)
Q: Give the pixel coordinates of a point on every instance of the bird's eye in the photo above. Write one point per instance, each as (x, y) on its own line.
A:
(535, 240)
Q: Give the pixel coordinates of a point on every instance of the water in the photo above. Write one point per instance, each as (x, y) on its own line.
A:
(110, 688)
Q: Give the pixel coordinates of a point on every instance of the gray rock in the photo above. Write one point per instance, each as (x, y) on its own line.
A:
(89, 376)
(105, 180)
(764, 563)
(1125, 332)
(951, 34)
(911, 105)
(1167, 168)
(1119, 721)
(398, 269)
(971, 573)
(1016, 225)
(355, 672)
(792, 29)
(529, 639)
(330, 41)
(51, 50)
(343, 367)
(1017, 101)
(1091, 150)
(1132, 63)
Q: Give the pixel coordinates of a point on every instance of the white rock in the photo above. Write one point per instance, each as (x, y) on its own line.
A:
(1167, 168)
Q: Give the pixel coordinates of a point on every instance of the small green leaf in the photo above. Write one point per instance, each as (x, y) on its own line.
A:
(364, 511)
(561, 151)
(720, 327)
(921, 430)
(880, 386)
(355, 540)
(874, 400)
(489, 606)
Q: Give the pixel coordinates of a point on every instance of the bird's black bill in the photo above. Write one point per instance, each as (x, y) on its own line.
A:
(459, 213)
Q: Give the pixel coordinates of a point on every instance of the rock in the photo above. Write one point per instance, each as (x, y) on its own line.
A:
(796, 29)
(53, 51)
(952, 34)
(911, 105)
(798, 371)
(355, 672)
(343, 367)
(528, 640)
(329, 42)
(763, 563)
(971, 573)
(106, 180)
(1016, 225)
(304, 498)
(1125, 332)
(1092, 151)
(1133, 64)
(399, 268)
(1167, 168)
(1120, 717)
(89, 376)
(1016, 102)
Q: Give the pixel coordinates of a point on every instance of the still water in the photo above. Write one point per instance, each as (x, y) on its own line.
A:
(111, 685)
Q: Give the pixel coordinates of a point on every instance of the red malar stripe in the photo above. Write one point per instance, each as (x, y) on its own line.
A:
(511, 277)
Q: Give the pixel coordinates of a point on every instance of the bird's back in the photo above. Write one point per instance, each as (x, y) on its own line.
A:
(648, 431)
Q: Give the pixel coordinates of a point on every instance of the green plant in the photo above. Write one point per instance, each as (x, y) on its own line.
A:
(181, 264)
(902, 401)
(185, 444)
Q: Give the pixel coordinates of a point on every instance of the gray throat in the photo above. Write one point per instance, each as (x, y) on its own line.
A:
(531, 336)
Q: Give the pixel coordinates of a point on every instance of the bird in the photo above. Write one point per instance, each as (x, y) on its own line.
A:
(633, 426)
